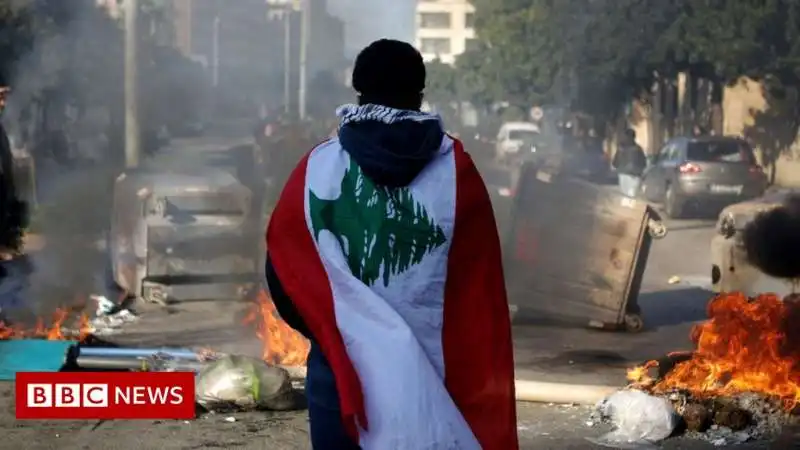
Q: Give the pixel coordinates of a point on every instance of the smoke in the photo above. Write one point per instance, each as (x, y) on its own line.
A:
(366, 21)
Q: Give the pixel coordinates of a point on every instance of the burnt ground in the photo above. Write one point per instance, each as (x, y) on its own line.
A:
(543, 352)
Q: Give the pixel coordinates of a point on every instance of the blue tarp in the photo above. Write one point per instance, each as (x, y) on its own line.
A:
(31, 355)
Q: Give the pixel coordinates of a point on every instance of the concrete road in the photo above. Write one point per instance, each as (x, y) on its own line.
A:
(540, 427)
(548, 353)
(543, 353)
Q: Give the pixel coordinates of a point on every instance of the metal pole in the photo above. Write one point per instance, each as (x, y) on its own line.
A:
(287, 60)
(215, 52)
(132, 131)
(305, 28)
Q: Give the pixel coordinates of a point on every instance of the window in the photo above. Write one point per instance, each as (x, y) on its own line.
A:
(434, 20)
(436, 46)
(720, 151)
(469, 20)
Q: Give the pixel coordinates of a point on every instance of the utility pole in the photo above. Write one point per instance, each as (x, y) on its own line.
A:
(305, 28)
(132, 130)
(215, 52)
(287, 61)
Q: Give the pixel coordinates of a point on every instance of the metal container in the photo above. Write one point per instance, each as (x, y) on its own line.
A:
(577, 251)
(184, 236)
(127, 352)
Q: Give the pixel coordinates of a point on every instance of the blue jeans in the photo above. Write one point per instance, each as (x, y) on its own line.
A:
(629, 185)
(324, 413)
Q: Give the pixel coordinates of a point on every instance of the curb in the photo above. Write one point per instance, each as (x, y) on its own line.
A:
(529, 390)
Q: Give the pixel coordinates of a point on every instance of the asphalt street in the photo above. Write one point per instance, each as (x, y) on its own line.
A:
(547, 353)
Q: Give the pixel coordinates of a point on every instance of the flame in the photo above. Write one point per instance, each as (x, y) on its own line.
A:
(281, 344)
(55, 331)
(746, 345)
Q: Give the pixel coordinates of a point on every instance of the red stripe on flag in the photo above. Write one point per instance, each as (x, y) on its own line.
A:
(478, 355)
(297, 264)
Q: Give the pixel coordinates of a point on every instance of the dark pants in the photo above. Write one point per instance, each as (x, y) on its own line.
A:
(324, 413)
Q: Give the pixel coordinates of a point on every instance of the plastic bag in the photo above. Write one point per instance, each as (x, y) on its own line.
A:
(236, 382)
(639, 420)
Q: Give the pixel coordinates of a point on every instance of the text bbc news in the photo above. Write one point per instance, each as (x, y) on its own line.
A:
(105, 395)
(100, 395)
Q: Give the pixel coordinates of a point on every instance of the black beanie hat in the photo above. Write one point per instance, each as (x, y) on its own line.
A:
(389, 69)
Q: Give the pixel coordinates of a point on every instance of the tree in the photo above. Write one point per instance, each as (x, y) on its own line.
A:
(597, 55)
(441, 80)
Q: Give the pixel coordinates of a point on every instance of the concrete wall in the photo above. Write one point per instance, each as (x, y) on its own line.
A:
(740, 103)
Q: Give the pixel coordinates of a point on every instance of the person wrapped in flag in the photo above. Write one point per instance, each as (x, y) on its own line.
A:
(383, 251)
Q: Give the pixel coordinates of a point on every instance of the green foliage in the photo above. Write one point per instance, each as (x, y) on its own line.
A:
(382, 231)
(596, 55)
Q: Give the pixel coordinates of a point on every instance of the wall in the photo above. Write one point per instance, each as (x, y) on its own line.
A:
(740, 103)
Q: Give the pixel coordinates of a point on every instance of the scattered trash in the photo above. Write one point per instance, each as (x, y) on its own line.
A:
(674, 279)
(109, 317)
(640, 420)
(236, 382)
(230, 419)
(105, 306)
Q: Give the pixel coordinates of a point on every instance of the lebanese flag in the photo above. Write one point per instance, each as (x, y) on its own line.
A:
(403, 290)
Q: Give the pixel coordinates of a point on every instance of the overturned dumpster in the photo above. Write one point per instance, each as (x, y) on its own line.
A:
(184, 236)
(576, 251)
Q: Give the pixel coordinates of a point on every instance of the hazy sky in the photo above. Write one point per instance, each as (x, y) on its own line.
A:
(368, 20)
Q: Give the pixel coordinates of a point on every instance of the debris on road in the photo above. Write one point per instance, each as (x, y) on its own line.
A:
(109, 317)
(639, 419)
(674, 279)
(723, 394)
(236, 382)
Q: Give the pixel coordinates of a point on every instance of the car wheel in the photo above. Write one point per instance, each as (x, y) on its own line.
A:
(673, 204)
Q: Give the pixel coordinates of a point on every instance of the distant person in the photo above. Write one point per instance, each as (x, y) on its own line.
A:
(383, 251)
(13, 210)
(630, 163)
(698, 131)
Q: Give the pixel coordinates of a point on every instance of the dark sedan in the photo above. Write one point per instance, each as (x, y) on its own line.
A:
(711, 172)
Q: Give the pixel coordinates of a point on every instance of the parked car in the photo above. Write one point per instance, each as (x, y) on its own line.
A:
(730, 270)
(710, 171)
(513, 137)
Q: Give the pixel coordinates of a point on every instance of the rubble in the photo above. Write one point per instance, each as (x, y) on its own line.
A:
(109, 317)
(720, 421)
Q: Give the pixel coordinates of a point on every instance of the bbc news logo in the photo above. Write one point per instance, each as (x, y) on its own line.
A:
(105, 395)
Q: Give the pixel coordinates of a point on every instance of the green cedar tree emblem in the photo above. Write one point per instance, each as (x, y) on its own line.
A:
(382, 231)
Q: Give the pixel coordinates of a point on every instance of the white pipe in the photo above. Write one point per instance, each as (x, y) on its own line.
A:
(565, 393)
(531, 391)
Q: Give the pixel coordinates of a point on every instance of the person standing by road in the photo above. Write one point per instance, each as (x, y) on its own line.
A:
(630, 163)
(384, 252)
(13, 211)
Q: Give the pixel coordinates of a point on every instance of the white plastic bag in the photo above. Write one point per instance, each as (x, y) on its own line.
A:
(639, 420)
(236, 382)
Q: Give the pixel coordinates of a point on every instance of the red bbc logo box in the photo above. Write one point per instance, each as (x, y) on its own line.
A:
(105, 395)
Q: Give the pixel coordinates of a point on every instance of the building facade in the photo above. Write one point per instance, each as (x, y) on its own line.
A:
(444, 28)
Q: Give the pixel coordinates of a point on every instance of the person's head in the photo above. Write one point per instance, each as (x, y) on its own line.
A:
(390, 73)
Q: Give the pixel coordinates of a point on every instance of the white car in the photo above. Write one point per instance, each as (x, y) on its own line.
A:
(730, 270)
(513, 136)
